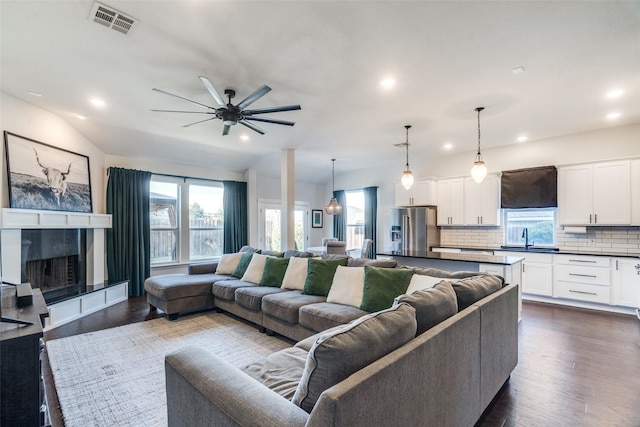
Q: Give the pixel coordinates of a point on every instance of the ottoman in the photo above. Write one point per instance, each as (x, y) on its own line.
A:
(181, 293)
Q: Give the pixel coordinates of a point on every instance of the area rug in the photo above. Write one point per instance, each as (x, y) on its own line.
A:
(115, 377)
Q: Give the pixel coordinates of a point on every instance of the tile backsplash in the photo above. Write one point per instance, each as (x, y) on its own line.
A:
(622, 240)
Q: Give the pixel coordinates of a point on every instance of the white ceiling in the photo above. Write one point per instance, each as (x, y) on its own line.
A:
(328, 56)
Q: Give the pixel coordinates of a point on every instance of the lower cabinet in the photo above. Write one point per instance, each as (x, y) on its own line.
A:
(584, 278)
(626, 282)
(537, 274)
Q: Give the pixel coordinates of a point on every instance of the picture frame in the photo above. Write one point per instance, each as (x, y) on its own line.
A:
(45, 177)
(316, 218)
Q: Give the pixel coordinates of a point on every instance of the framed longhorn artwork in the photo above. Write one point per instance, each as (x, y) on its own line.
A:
(45, 177)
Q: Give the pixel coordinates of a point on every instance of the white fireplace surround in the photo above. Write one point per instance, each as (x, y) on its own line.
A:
(13, 221)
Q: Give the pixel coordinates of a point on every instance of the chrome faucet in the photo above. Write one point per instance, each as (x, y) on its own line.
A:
(525, 236)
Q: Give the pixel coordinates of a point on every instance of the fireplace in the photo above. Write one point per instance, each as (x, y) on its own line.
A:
(54, 261)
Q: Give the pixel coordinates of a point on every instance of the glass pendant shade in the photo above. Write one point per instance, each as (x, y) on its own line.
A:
(479, 169)
(333, 208)
(407, 179)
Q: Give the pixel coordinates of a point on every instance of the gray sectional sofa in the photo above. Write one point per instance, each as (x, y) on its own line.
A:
(437, 357)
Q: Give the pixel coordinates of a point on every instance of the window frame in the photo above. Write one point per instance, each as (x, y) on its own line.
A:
(532, 242)
(354, 231)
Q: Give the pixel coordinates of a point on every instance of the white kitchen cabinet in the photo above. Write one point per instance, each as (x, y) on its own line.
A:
(635, 192)
(451, 201)
(537, 272)
(626, 282)
(584, 278)
(482, 201)
(422, 193)
(595, 194)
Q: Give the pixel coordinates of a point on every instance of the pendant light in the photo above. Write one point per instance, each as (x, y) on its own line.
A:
(333, 208)
(407, 176)
(479, 169)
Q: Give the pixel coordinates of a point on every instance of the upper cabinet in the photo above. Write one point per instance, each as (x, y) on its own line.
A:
(451, 201)
(422, 193)
(595, 194)
(482, 201)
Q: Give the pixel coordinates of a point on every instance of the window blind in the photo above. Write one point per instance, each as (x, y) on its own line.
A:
(529, 188)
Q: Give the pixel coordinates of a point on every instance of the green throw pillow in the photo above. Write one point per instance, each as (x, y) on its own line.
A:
(274, 269)
(241, 268)
(382, 286)
(320, 274)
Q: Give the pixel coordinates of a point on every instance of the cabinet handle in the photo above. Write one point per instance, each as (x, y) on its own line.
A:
(583, 275)
(582, 260)
(481, 220)
(523, 268)
(582, 292)
(595, 218)
(616, 264)
(590, 218)
(478, 220)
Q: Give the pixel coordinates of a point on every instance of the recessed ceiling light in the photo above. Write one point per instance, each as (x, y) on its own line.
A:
(522, 138)
(447, 146)
(81, 117)
(387, 83)
(97, 102)
(614, 93)
(613, 115)
(244, 137)
(518, 70)
(34, 93)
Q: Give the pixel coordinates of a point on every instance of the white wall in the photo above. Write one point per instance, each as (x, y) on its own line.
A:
(21, 118)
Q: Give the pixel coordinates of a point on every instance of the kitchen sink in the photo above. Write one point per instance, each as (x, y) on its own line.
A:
(529, 249)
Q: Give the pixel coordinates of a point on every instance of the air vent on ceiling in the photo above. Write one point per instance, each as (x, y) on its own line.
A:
(111, 18)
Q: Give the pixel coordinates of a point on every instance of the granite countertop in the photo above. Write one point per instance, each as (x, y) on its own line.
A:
(542, 250)
(469, 257)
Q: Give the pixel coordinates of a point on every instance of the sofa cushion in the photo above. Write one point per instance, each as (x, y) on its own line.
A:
(251, 297)
(249, 249)
(286, 305)
(226, 289)
(445, 274)
(295, 274)
(345, 350)
(254, 271)
(361, 262)
(347, 286)
(432, 305)
(244, 262)
(322, 316)
(280, 371)
(228, 263)
(298, 254)
(382, 285)
(420, 281)
(475, 288)
(273, 273)
(320, 275)
(170, 287)
(276, 254)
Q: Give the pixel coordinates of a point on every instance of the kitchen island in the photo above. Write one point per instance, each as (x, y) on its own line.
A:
(509, 267)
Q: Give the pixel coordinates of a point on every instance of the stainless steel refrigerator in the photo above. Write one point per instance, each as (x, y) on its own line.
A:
(414, 229)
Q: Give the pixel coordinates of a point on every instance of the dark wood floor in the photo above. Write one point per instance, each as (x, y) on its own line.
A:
(576, 367)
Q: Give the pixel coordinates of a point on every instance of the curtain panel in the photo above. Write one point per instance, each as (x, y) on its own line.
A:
(128, 240)
(529, 188)
(371, 217)
(236, 226)
(340, 220)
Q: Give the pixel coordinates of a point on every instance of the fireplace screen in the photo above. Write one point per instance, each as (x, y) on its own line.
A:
(54, 261)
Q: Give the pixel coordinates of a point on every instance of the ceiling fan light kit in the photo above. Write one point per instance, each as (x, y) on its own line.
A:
(407, 176)
(333, 208)
(230, 114)
(479, 169)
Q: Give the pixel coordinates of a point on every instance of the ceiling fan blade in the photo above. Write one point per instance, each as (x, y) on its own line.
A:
(278, 122)
(253, 127)
(212, 90)
(271, 110)
(201, 121)
(177, 111)
(259, 93)
(225, 131)
(184, 99)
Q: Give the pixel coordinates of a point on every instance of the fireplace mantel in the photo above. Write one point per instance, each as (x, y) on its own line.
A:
(29, 218)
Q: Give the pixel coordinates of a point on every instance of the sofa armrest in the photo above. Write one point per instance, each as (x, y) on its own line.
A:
(205, 390)
(203, 268)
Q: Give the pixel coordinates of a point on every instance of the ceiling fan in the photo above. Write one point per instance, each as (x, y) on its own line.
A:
(232, 114)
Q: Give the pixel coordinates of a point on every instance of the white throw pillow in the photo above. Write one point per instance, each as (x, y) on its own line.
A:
(228, 263)
(255, 269)
(347, 286)
(419, 282)
(296, 273)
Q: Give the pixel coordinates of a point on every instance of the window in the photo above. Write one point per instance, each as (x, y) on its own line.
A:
(269, 225)
(355, 219)
(186, 220)
(540, 225)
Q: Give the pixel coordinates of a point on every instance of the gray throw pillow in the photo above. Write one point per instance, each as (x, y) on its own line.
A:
(432, 305)
(346, 349)
(473, 289)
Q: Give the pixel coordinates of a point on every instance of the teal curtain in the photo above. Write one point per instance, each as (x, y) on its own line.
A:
(340, 220)
(128, 239)
(235, 216)
(371, 217)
